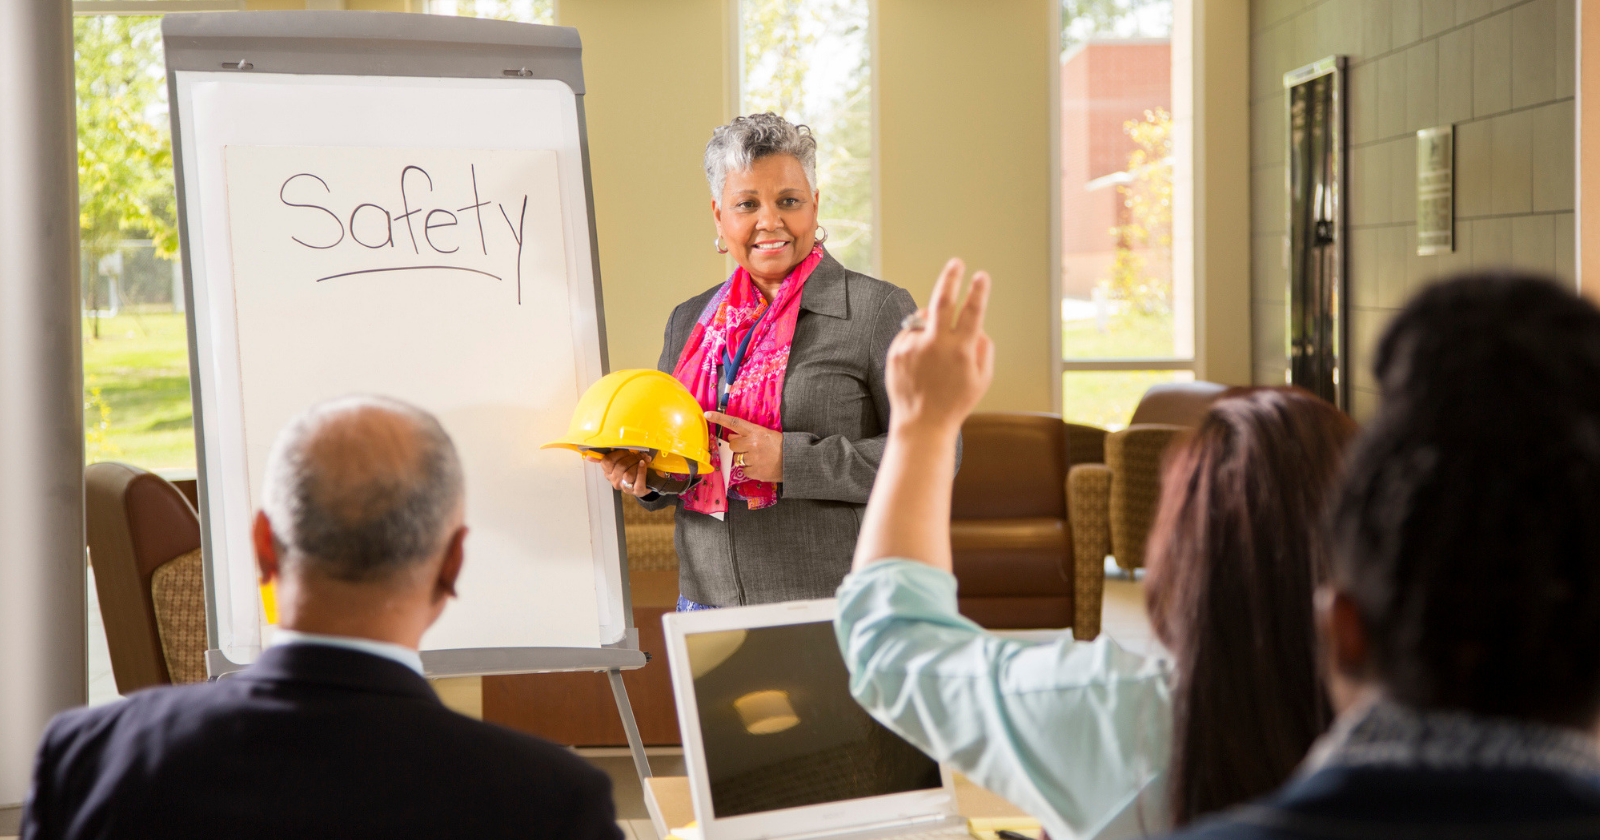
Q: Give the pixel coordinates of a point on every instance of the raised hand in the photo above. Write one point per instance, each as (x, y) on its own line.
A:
(940, 368)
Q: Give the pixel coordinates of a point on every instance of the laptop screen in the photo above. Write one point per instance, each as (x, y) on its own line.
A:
(780, 727)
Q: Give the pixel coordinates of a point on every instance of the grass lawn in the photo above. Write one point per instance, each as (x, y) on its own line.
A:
(136, 391)
(1125, 336)
(1107, 398)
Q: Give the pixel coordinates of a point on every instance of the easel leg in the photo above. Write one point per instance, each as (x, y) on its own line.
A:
(641, 762)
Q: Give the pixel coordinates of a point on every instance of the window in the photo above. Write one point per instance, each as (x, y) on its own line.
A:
(522, 11)
(810, 61)
(1127, 319)
(135, 341)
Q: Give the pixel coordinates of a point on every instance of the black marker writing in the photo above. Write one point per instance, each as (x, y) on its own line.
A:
(428, 227)
(406, 206)
(388, 226)
(516, 233)
(477, 207)
(409, 268)
(330, 213)
(437, 222)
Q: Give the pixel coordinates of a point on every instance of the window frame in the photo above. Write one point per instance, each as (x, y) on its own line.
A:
(733, 73)
(1063, 363)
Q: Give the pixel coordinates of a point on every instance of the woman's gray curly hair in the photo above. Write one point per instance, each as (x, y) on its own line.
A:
(737, 145)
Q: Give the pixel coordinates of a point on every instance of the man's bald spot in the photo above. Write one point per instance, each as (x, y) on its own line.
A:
(366, 455)
(360, 487)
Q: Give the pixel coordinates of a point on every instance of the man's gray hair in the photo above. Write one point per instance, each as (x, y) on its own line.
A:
(362, 487)
(737, 145)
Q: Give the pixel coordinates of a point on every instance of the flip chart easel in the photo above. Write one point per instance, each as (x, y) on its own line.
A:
(400, 204)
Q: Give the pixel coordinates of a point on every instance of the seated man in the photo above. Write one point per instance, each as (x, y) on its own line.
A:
(333, 732)
(1462, 624)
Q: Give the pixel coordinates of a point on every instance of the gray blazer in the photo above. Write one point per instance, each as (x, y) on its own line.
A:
(835, 422)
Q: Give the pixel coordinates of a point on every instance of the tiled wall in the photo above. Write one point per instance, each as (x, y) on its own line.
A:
(1501, 71)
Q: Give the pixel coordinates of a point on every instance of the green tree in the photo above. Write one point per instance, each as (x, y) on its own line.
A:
(789, 47)
(1085, 19)
(125, 184)
(1146, 232)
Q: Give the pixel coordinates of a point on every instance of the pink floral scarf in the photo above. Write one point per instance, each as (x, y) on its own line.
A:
(757, 394)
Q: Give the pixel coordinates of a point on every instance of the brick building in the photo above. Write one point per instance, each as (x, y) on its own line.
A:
(1104, 84)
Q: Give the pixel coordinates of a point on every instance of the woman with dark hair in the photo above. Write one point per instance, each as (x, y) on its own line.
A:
(1081, 734)
(1234, 557)
(1461, 619)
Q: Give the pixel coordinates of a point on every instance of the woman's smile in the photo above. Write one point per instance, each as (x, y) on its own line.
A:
(768, 217)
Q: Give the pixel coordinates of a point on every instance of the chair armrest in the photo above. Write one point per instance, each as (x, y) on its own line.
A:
(1088, 508)
(1085, 444)
(1134, 456)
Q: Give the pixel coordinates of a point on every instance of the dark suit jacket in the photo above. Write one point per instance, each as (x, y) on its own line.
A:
(1378, 803)
(312, 741)
(835, 422)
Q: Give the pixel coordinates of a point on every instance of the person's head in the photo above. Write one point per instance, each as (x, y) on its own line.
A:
(361, 512)
(1466, 565)
(762, 170)
(1233, 561)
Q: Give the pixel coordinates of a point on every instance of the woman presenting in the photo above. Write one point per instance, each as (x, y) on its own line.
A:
(787, 358)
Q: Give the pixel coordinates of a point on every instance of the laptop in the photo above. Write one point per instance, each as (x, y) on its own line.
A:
(776, 747)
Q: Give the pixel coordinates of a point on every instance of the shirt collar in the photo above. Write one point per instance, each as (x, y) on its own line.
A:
(1384, 733)
(388, 650)
(824, 293)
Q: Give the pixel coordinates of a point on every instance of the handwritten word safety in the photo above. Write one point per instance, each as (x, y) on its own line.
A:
(412, 221)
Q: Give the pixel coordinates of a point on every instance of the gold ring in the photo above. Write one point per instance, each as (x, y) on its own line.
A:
(738, 459)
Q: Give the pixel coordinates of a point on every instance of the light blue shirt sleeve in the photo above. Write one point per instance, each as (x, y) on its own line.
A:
(1075, 733)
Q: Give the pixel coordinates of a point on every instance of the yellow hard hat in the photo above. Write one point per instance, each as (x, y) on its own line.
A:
(640, 410)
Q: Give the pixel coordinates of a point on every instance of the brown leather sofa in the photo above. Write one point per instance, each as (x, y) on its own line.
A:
(144, 544)
(1115, 481)
(1010, 532)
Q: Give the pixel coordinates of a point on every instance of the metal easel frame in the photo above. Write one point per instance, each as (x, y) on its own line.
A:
(399, 44)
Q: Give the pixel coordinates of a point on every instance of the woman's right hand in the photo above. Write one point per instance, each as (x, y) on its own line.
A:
(625, 470)
(937, 372)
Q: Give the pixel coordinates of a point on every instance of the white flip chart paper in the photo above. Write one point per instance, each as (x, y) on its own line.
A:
(438, 276)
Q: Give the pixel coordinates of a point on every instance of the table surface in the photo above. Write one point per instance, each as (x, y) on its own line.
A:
(670, 805)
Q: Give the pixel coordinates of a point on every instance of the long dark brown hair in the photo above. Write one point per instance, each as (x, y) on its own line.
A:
(1238, 547)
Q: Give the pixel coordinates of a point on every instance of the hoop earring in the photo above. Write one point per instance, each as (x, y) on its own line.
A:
(822, 234)
(717, 244)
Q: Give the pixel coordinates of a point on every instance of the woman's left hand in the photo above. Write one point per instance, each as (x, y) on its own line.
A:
(761, 447)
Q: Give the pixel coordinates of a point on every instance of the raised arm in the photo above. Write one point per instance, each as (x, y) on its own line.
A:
(1044, 725)
(935, 375)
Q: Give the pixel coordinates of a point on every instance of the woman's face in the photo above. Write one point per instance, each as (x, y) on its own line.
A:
(767, 217)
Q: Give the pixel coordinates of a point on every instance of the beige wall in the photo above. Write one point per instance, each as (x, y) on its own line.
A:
(657, 86)
(1217, 117)
(964, 167)
(1589, 156)
(1501, 72)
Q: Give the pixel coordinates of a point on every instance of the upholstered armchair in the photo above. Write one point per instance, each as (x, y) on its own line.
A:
(1115, 479)
(144, 545)
(1009, 534)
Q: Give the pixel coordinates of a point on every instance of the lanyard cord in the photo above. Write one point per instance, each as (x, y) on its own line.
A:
(731, 365)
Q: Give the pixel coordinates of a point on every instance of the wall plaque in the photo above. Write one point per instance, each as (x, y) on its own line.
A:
(1436, 217)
